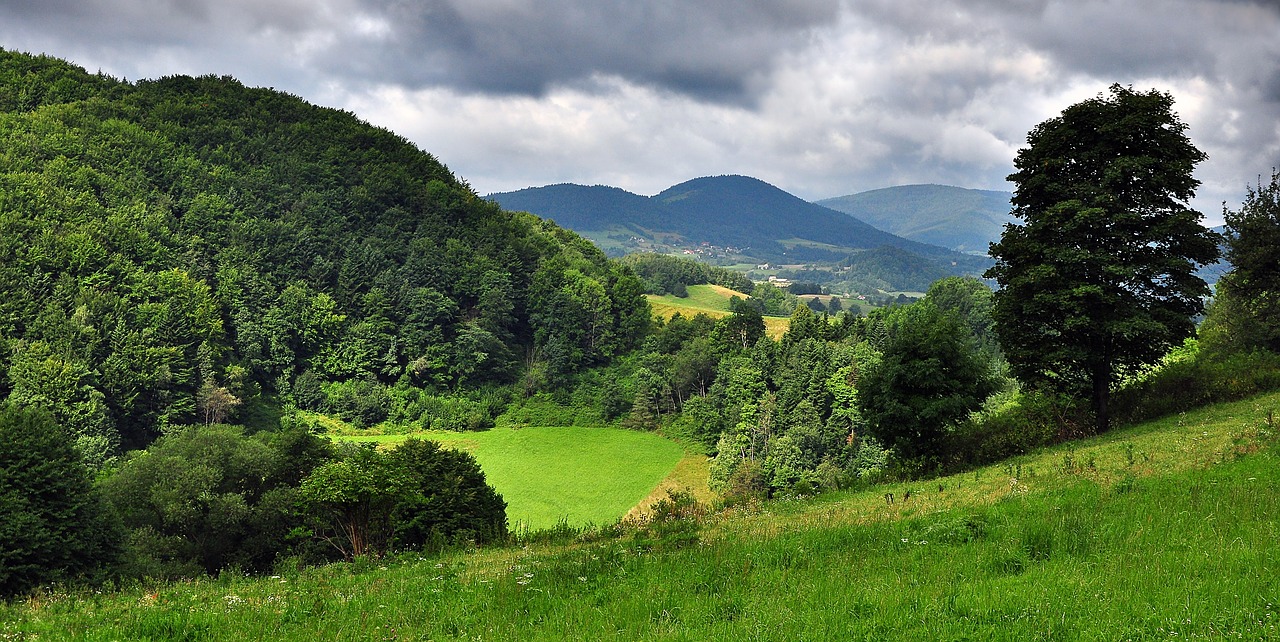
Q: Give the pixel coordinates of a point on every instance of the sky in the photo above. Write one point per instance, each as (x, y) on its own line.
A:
(820, 97)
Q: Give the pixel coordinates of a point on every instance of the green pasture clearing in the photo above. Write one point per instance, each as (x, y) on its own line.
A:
(1164, 531)
(572, 474)
(704, 298)
(711, 300)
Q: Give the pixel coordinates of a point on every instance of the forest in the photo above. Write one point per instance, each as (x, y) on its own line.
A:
(191, 270)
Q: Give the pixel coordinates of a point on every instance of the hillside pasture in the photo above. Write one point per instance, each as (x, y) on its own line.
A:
(1163, 531)
(575, 475)
(711, 300)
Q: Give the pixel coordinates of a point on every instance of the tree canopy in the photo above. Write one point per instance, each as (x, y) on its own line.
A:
(1247, 307)
(53, 523)
(1099, 278)
(929, 377)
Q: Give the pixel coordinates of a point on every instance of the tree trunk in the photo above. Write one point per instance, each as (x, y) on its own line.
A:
(1101, 397)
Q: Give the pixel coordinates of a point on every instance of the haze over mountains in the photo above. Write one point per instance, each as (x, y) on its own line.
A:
(965, 220)
(743, 215)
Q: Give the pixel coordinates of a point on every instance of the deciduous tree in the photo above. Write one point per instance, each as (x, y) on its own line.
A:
(928, 378)
(1099, 278)
(1250, 292)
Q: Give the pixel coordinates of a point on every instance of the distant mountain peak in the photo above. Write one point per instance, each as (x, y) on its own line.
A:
(741, 215)
(963, 219)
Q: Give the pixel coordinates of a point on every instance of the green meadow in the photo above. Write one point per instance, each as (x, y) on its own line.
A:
(711, 300)
(576, 475)
(1163, 531)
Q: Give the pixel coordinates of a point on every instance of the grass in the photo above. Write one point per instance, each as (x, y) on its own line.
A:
(575, 475)
(713, 301)
(710, 299)
(1164, 531)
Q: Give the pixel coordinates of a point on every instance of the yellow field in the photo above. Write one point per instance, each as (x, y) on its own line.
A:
(713, 301)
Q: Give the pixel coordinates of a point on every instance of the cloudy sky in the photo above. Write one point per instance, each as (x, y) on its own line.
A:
(820, 97)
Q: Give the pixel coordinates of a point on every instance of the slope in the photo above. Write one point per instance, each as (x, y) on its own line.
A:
(741, 217)
(745, 211)
(1165, 530)
(965, 220)
(171, 247)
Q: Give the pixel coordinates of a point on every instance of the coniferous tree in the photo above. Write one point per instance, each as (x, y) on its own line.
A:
(53, 523)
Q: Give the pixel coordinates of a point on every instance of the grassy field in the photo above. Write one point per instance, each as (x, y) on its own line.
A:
(711, 300)
(573, 474)
(1164, 531)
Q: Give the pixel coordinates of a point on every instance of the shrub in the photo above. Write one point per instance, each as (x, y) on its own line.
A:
(1191, 378)
(416, 496)
(673, 523)
(745, 484)
(446, 499)
(1016, 423)
(209, 498)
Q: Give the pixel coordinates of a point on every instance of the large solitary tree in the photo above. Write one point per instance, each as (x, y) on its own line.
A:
(1099, 279)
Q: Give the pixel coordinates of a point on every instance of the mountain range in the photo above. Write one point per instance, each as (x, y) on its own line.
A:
(965, 220)
(732, 217)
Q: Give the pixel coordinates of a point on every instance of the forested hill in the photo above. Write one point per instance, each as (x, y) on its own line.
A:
(170, 248)
(747, 214)
(966, 220)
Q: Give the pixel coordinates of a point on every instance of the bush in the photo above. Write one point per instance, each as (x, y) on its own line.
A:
(1016, 423)
(447, 499)
(415, 496)
(542, 410)
(1191, 378)
(673, 523)
(209, 498)
(747, 483)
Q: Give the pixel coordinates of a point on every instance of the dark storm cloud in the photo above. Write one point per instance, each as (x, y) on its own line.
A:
(713, 50)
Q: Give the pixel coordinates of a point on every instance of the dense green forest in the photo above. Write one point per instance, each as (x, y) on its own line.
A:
(176, 251)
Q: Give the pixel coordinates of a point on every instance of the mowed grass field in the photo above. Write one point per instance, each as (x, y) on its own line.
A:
(577, 475)
(711, 300)
(1163, 531)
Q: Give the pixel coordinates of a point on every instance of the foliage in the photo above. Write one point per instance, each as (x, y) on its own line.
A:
(415, 496)
(773, 301)
(171, 247)
(665, 274)
(54, 526)
(970, 300)
(1191, 377)
(928, 379)
(446, 498)
(1099, 280)
(351, 499)
(1015, 423)
(672, 523)
(209, 497)
(1168, 537)
(1246, 314)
